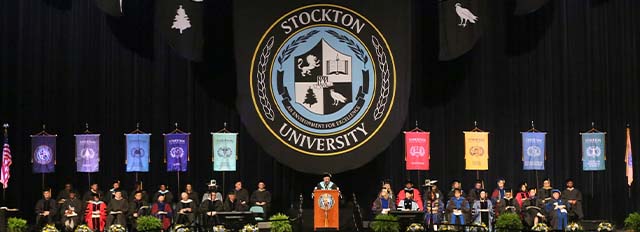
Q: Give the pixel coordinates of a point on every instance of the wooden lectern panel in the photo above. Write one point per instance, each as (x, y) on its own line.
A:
(326, 209)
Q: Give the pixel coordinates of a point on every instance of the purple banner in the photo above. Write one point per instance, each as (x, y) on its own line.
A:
(177, 151)
(87, 152)
(43, 153)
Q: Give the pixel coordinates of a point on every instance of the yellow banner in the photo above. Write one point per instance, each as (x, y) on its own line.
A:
(476, 146)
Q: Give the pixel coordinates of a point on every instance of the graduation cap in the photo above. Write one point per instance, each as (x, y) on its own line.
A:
(483, 190)
(73, 191)
(555, 191)
(429, 183)
(500, 179)
(326, 174)
(568, 180)
(408, 182)
(231, 193)
(212, 183)
(455, 181)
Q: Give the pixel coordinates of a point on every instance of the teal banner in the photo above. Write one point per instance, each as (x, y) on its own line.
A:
(224, 151)
(593, 151)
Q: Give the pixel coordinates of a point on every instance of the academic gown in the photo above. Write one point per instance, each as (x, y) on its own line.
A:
(520, 197)
(458, 204)
(236, 205)
(433, 211)
(165, 218)
(532, 207)
(545, 194)
(261, 196)
(557, 214)
(380, 203)
(114, 206)
(408, 204)
(63, 195)
(193, 195)
(508, 205)
(575, 213)
(242, 195)
(136, 210)
(474, 195)
(207, 207)
(483, 213)
(145, 196)
(186, 217)
(96, 215)
(45, 205)
(70, 221)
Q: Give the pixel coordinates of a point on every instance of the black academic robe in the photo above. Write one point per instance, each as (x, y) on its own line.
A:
(63, 195)
(508, 205)
(236, 205)
(261, 196)
(168, 196)
(474, 195)
(186, 217)
(114, 206)
(145, 196)
(242, 195)
(136, 210)
(70, 221)
(112, 194)
(207, 207)
(532, 207)
(88, 196)
(194, 196)
(45, 205)
(575, 212)
(545, 195)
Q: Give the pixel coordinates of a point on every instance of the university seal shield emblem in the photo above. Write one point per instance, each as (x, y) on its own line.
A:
(322, 84)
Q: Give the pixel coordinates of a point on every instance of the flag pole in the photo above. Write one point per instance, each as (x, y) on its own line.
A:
(4, 188)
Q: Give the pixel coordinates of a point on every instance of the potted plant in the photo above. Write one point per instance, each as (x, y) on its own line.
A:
(50, 228)
(385, 223)
(148, 223)
(574, 226)
(541, 227)
(280, 223)
(509, 222)
(632, 222)
(117, 228)
(83, 228)
(17, 224)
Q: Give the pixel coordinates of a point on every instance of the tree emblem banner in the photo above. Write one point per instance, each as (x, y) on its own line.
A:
(87, 152)
(224, 151)
(177, 151)
(593, 151)
(417, 150)
(322, 84)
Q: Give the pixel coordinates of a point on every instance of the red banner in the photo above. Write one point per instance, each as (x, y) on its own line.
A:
(417, 150)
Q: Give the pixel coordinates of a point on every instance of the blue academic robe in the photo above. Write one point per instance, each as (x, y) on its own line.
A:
(558, 216)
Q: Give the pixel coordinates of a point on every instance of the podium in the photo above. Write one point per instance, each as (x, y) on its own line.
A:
(326, 209)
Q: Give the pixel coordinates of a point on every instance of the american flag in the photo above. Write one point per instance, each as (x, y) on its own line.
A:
(628, 159)
(6, 162)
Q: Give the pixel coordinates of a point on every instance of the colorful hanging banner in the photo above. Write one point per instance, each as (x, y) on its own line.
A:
(87, 152)
(138, 150)
(43, 153)
(593, 151)
(177, 151)
(628, 159)
(224, 151)
(533, 152)
(417, 152)
(476, 146)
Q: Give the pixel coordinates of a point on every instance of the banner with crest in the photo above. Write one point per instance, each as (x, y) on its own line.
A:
(476, 146)
(177, 151)
(224, 151)
(43, 153)
(593, 151)
(138, 150)
(87, 152)
(533, 150)
(417, 153)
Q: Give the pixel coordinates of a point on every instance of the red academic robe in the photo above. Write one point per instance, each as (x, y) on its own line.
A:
(166, 219)
(100, 206)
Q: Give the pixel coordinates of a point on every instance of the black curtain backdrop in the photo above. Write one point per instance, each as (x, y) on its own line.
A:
(573, 62)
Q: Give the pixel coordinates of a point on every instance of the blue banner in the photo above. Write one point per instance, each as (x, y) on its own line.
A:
(43, 153)
(138, 150)
(593, 151)
(533, 152)
(177, 151)
(224, 151)
(87, 152)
